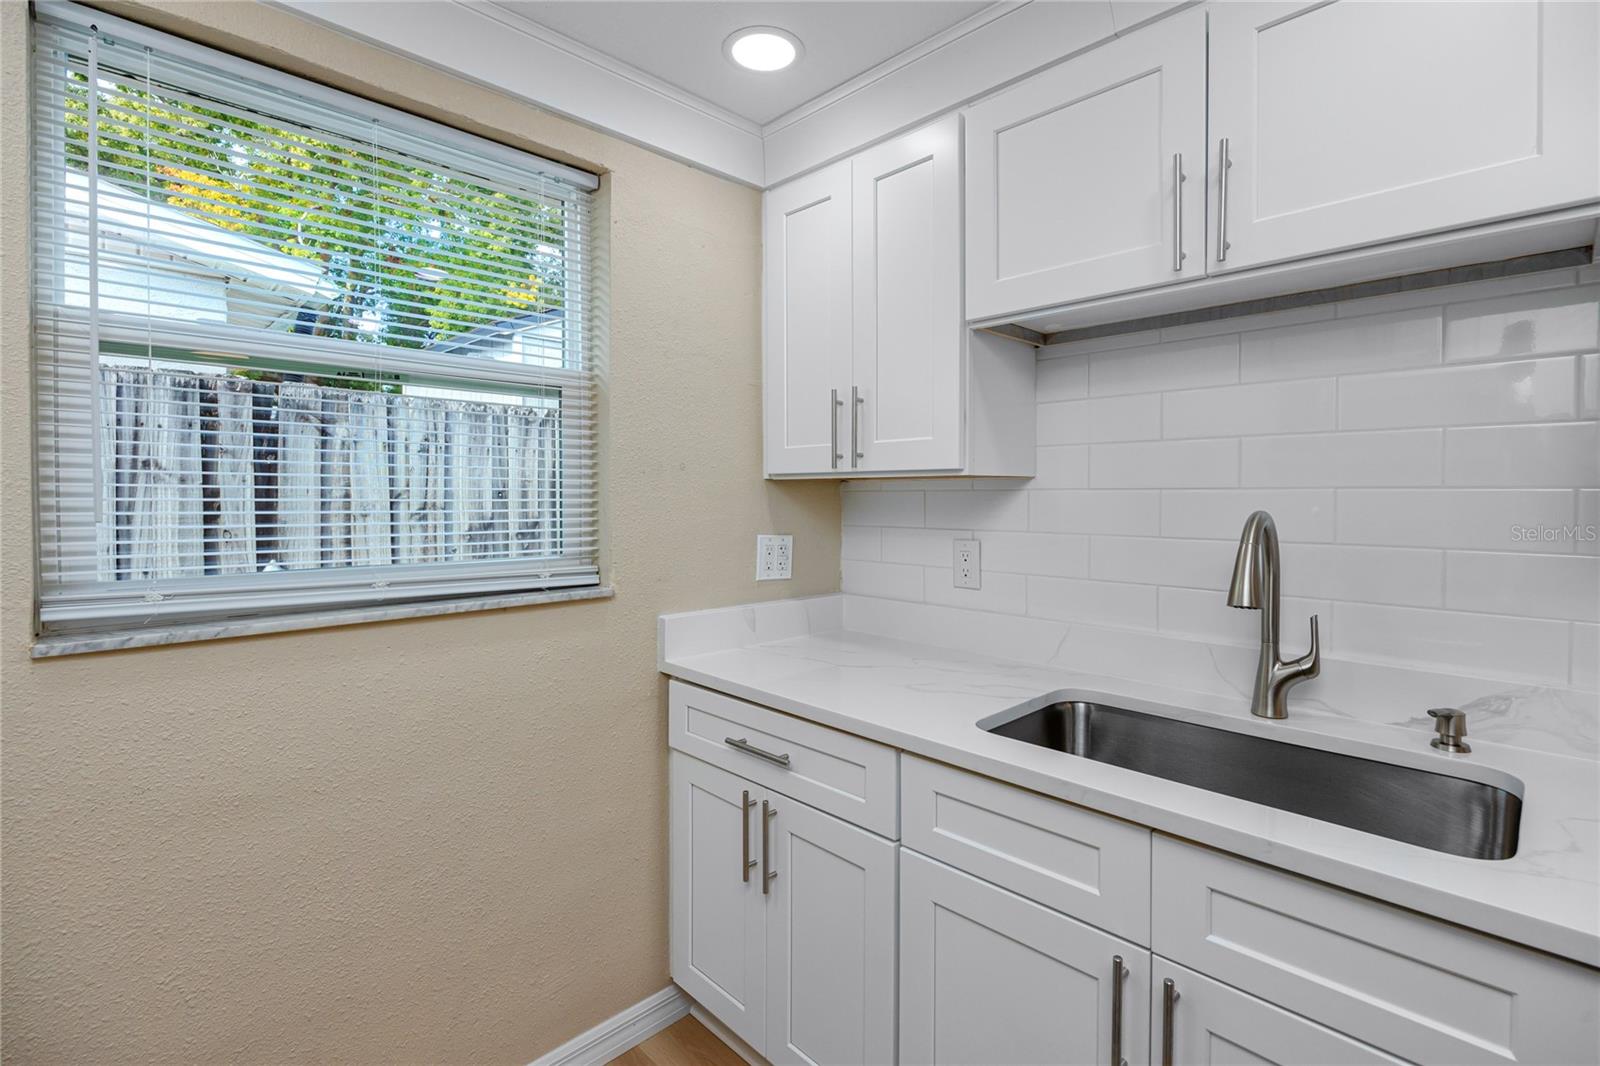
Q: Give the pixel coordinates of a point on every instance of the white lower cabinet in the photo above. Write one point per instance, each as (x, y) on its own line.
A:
(989, 977)
(783, 919)
(1209, 1022)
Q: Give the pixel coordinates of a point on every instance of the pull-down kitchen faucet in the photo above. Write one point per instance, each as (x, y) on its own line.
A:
(1255, 587)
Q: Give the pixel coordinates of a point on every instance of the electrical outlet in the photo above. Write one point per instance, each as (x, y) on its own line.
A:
(968, 565)
(774, 556)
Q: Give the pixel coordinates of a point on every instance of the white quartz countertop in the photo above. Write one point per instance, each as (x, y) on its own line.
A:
(929, 700)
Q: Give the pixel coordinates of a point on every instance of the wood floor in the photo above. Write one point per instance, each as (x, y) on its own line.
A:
(683, 1043)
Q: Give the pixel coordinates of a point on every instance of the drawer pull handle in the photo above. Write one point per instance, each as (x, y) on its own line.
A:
(1117, 974)
(745, 861)
(741, 744)
(834, 403)
(1169, 999)
(767, 873)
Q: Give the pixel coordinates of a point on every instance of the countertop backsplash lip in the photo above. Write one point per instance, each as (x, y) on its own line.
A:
(885, 670)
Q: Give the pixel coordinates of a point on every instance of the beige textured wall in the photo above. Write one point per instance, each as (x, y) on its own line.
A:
(438, 840)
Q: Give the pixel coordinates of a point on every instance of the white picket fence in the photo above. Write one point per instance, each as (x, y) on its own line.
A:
(214, 474)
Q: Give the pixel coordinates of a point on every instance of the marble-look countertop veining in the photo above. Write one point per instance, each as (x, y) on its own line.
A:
(799, 658)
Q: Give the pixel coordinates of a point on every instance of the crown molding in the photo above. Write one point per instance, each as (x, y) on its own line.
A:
(918, 51)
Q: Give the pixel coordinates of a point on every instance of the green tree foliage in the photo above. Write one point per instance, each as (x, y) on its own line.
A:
(414, 255)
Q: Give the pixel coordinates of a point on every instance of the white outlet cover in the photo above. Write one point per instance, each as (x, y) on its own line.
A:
(774, 556)
(967, 564)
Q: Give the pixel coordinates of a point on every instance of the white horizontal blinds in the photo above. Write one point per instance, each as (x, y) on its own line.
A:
(290, 353)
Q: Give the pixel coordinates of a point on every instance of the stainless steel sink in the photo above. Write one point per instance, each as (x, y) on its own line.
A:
(1431, 810)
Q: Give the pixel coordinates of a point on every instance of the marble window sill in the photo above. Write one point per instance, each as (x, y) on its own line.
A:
(54, 646)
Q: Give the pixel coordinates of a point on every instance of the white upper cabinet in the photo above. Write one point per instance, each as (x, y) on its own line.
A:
(869, 366)
(908, 321)
(807, 321)
(1354, 123)
(1073, 176)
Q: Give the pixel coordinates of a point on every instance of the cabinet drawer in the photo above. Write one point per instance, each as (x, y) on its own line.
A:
(1087, 865)
(1410, 985)
(846, 776)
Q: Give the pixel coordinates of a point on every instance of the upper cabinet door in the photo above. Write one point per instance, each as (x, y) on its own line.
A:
(1352, 123)
(906, 385)
(807, 322)
(718, 942)
(830, 941)
(1073, 186)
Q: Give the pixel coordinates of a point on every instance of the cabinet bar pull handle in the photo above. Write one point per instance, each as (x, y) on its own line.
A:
(741, 744)
(856, 400)
(834, 403)
(1169, 998)
(767, 873)
(745, 861)
(1178, 254)
(1225, 164)
(1117, 974)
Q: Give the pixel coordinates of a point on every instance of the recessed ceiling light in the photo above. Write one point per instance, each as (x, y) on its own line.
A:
(763, 48)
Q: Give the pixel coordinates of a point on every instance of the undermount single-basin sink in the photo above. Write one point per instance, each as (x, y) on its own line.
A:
(1431, 810)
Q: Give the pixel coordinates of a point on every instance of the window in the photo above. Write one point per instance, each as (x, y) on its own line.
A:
(294, 349)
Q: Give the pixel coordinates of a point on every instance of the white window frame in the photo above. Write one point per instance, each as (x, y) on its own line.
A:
(89, 607)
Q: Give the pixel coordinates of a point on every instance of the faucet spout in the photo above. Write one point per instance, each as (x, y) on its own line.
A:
(1254, 587)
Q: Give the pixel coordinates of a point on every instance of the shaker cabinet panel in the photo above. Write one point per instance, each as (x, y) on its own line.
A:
(1212, 1023)
(987, 976)
(906, 198)
(1351, 123)
(718, 951)
(807, 321)
(830, 940)
(1089, 179)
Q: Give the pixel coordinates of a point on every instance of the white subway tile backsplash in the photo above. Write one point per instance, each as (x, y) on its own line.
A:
(1452, 518)
(1528, 586)
(1064, 466)
(979, 509)
(882, 508)
(1250, 410)
(1181, 365)
(1064, 378)
(887, 580)
(1051, 554)
(1405, 577)
(1534, 649)
(1348, 346)
(1107, 603)
(1586, 656)
(1390, 457)
(1586, 535)
(1589, 386)
(861, 542)
(921, 547)
(1112, 418)
(1205, 613)
(1534, 390)
(1545, 323)
(1004, 593)
(1432, 460)
(1300, 514)
(1201, 564)
(1554, 454)
(1137, 513)
(1165, 464)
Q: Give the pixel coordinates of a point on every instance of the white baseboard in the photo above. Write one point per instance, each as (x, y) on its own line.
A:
(620, 1032)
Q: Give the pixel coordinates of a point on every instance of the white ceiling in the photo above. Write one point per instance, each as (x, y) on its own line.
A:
(680, 41)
